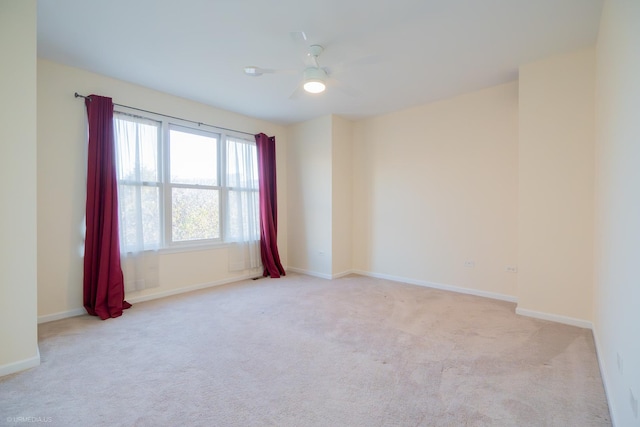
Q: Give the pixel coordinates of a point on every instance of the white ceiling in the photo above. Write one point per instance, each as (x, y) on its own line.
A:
(386, 55)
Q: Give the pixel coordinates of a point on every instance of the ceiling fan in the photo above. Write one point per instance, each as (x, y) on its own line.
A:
(315, 77)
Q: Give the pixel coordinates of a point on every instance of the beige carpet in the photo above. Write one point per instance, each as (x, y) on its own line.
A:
(302, 351)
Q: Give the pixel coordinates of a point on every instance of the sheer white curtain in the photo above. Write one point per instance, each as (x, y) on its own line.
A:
(243, 214)
(138, 170)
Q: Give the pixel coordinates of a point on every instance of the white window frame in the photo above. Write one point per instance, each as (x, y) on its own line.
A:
(167, 245)
(169, 186)
(159, 183)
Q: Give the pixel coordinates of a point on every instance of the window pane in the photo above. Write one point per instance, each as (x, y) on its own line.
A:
(137, 148)
(139, 208)
(193, 158)
(242, 164)
(195, 214)
(243, 216)
(137, 142)
(151, 216)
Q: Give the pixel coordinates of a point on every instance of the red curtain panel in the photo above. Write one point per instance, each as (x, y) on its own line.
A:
(266, 147)
(103, 283)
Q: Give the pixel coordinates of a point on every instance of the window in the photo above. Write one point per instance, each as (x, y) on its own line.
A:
(243, 199)
(139, 172)
(182, 186)
(194, 184)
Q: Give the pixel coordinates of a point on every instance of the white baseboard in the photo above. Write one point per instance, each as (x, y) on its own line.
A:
(604, 375)
(21, 365)
(343, 274)
(320, 275)
(136, 299)
(61, 315)
(310, 273)
(555, 318)
(168, 293)
(441, 286)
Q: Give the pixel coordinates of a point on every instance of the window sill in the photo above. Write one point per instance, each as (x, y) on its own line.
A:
(194, 248)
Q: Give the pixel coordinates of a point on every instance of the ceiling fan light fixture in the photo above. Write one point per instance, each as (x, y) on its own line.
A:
(314, 80)
(314, 86)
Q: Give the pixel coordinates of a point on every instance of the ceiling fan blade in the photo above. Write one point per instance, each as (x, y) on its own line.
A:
(279, 71)
(297, 92)
(342, 87)
(254, 71)
(299, 36)
(365, 60)
(258, 71)
(303, 45)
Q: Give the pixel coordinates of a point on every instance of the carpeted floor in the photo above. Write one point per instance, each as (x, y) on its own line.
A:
(303, 351)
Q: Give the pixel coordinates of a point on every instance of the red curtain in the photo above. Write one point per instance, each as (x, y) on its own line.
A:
(268, 206)
(103, 283)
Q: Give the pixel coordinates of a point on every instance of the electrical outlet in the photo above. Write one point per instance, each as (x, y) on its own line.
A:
(620, 365)
(634, 403)
(469, 264)
(511, 269)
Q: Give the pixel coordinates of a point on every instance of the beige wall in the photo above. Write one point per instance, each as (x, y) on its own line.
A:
(342, 195)
(617, 279)
(556, 170)
(309, 194)
(436, 186)
(320, 196)
(18, 263)
(61, 186)
(431, 187)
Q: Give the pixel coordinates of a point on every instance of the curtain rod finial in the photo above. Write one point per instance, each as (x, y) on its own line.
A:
(77, 95)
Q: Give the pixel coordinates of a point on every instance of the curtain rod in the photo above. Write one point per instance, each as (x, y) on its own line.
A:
(77, 95)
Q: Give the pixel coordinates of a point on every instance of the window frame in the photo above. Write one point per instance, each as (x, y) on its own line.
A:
(168, 186)
(167, 245)
(142, 183)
